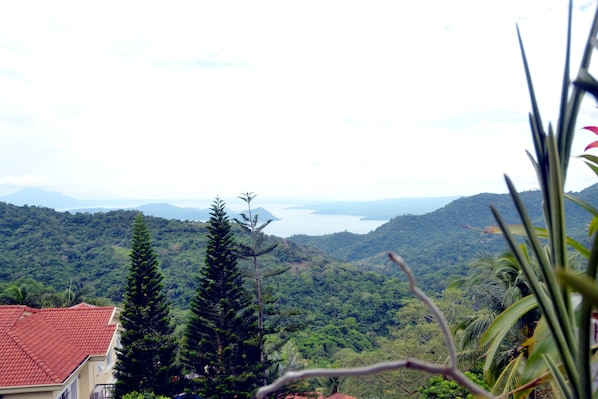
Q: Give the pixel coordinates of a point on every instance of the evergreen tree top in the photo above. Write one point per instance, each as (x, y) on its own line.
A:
(147, 356)
(145, 302)
(222, 334)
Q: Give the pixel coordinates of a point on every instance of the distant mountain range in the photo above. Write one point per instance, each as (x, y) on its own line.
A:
(40, 197)
(384, 209)
(60, 202)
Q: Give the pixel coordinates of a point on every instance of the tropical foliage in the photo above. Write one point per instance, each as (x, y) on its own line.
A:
(560, 353)
(414, 335)
(557, 359)
(497, 283)
(90, 252)
(27, 291)
(440, 387)
(440, 244)
(529, 318)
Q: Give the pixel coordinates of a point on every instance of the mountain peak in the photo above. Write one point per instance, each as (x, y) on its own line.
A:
(35, 196)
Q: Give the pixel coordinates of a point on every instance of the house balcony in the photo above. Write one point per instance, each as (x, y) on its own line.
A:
(103, 391)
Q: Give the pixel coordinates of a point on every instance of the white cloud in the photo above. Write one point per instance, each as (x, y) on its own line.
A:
(24, 181)
(334, 99)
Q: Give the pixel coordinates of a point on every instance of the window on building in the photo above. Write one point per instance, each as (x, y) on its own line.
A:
(69, 392)
(109, 358)
(100, 366)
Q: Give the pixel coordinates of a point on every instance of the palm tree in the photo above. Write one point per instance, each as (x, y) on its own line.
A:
(14, 295)
(282, 360)
(331, 385)
(496, 283)
(286, 358)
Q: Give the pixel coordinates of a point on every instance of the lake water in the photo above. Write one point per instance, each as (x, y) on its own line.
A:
(304, 221)
(292, 221)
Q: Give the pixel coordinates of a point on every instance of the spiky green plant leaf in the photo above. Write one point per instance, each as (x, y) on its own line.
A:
(494, 335)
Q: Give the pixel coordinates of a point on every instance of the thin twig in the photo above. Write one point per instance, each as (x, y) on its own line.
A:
(440, 319)
(416, 364)
(353, 372)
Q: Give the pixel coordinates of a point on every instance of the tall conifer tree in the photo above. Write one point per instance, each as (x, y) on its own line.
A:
(270, 318)
(222, 339)
(147, 356)
(253, 251)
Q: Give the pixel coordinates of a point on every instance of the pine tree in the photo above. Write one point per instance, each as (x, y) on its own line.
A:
(147, 356)
(222, 339)
(249, 224)
(265, 300)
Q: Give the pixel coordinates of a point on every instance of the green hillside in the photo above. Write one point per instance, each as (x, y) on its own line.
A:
(57, 247)
(342, 306)
(440, 244)
(92, 249)
(341, 285)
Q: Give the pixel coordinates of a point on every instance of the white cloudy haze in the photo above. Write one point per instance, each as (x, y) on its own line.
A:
(335, 100)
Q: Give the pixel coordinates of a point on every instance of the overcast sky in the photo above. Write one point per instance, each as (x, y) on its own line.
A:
(335, 100)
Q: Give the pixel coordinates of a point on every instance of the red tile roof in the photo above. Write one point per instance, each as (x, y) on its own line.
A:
(44, 346)
(339, 396)
(309, 395)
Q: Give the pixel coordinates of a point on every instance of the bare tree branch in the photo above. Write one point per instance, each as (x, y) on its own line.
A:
(416, 364)
(440, 319)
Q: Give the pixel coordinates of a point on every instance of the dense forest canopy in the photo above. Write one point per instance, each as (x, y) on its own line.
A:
(342, 285)
(60, 249)
(440, 244)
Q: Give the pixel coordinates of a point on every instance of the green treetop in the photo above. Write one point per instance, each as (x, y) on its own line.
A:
(145, 361)
(222, 338)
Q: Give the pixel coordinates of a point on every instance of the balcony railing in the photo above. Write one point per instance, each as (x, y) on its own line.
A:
(103, 391)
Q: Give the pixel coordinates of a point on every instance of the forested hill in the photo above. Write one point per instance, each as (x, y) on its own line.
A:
(88, 254)
(60, 249)
(439, 244)
(343, 303)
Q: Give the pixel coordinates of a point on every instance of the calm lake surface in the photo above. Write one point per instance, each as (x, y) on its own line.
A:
(304, 221)
(293, 220)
